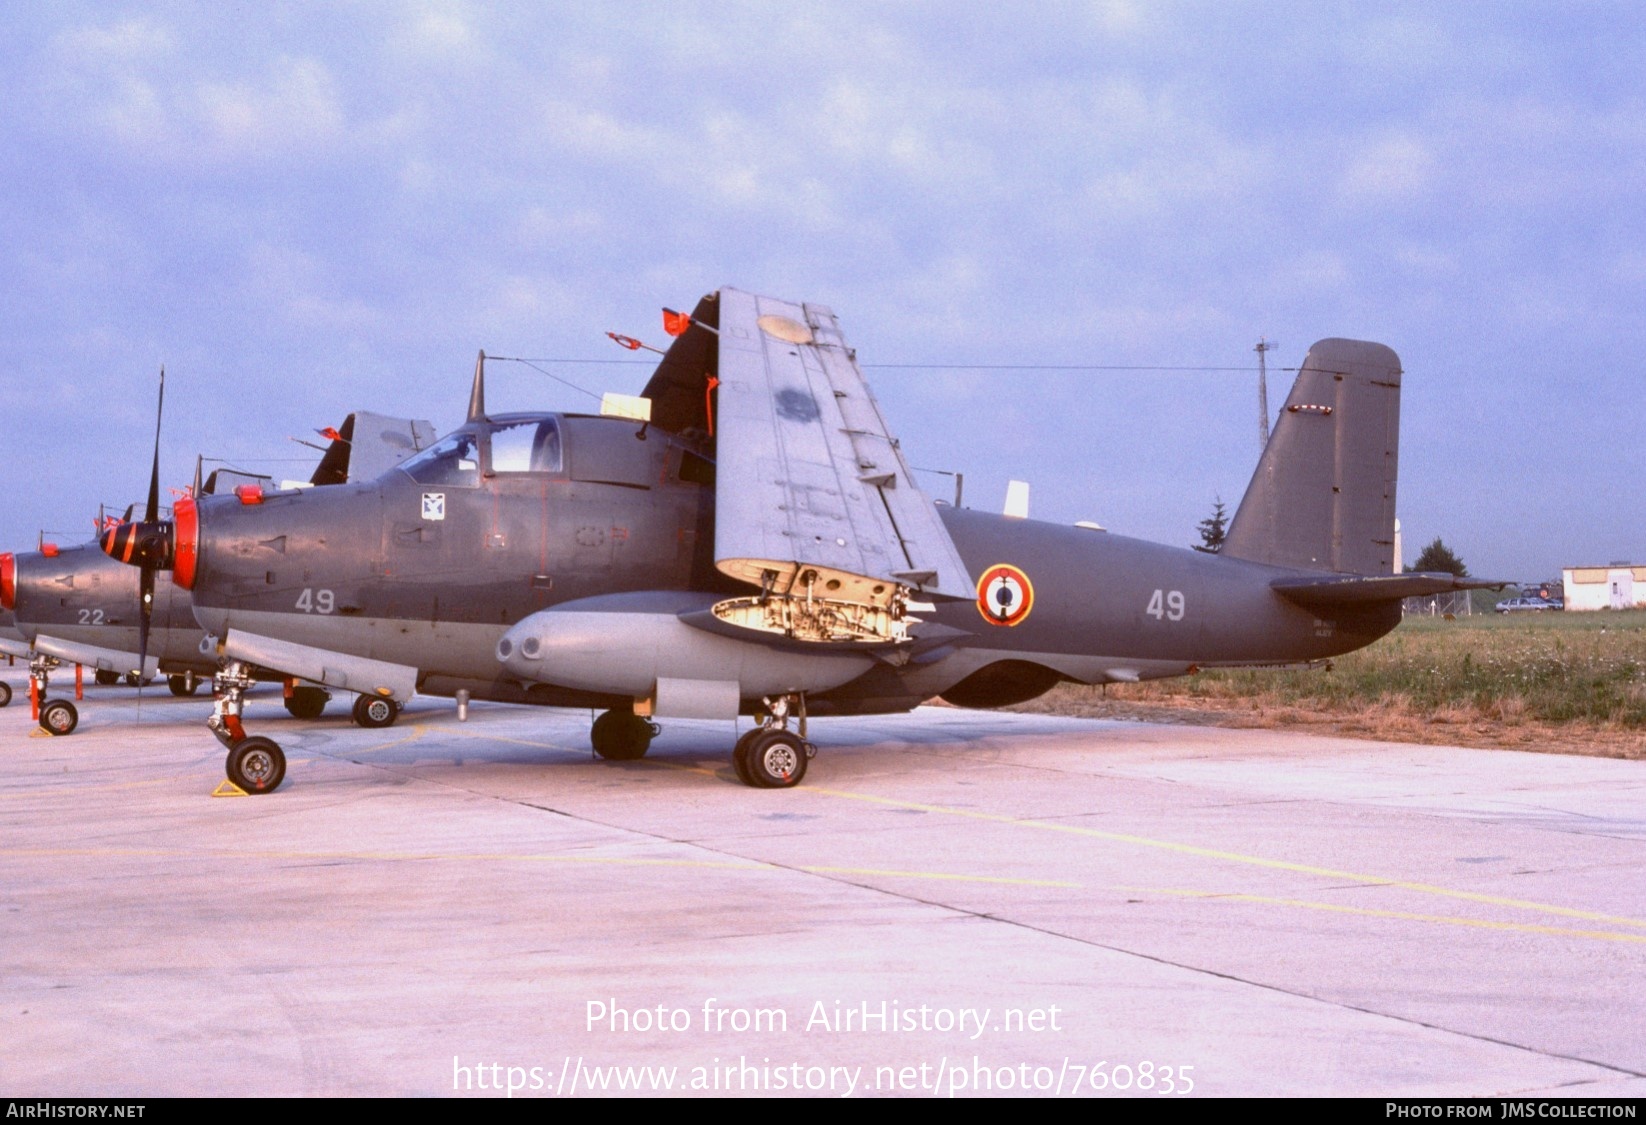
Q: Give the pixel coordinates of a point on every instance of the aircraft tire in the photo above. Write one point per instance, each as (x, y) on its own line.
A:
(58, 716)
(105, 679)
(184, 685)
(307, 702)
(776, 760)
(740, 755)
(5, 693)
(374, 712)
(134, 680)
(256, 764)
(619, 736)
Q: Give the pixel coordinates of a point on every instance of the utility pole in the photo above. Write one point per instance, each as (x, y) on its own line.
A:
(1262, 349)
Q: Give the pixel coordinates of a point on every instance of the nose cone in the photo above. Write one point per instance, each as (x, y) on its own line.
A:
(141, 544)
(119, 542)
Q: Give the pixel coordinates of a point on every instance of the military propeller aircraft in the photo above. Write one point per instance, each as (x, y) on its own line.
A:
(749, 540)
(73, 604)
(12, 645)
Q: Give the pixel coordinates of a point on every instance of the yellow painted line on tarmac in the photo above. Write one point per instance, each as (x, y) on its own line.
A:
(506, 857)
(489, 737)
(413, 733)
(1180, 848)
(1338, 908)
(1000, 880)
(82, 783)
(371, 857)
(1238, 857)
(419, 730)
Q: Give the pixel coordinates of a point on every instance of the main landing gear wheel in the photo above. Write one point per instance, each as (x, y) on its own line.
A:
(5, 694)
(186, 684)
(134, 680)
(772, 759)
(106, 679)
(740, 755)
(308, 702)
(58, 716)
(621, 736)
(256, 764)
(373, 711)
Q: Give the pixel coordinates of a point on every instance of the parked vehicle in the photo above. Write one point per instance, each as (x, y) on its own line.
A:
(1525, 605)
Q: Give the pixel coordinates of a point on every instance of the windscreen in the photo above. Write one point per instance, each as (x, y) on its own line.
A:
(453, 460)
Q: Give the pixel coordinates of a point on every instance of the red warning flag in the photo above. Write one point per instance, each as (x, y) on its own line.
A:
(675, 323)
(330, 434)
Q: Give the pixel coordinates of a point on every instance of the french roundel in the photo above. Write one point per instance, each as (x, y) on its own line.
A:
(1004, 595)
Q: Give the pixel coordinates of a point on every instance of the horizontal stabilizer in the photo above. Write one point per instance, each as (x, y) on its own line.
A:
(1353, 590)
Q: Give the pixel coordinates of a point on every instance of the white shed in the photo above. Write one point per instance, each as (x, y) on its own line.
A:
(1619, 586)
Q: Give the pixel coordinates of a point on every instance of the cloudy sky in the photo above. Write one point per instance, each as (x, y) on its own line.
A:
(306, 209)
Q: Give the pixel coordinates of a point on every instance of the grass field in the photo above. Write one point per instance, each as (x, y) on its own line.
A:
(1569, 682)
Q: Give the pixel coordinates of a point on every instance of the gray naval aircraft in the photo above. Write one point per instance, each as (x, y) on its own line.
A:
(749, 540)
(12, 645)
(73, 604)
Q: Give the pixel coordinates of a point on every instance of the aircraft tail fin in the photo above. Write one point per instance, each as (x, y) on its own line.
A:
(368, 445)
(1323, 496)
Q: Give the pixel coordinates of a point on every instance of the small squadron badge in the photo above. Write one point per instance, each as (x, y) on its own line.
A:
(434, 505)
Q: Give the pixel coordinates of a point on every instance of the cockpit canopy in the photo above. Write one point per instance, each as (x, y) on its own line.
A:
(510, 444)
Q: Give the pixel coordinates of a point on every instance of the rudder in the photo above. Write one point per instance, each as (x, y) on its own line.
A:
(1323, 496)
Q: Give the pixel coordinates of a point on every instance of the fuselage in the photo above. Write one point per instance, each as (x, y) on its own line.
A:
(12, 641)
(431, 564)
(79, 595)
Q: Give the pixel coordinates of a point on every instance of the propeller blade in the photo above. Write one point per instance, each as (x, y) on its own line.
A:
(152, 512)
(145, 613)
(151, 516)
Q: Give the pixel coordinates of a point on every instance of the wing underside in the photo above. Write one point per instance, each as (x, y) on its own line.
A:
(814, 502)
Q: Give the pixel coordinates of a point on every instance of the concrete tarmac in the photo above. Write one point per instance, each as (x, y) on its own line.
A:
(952, 902)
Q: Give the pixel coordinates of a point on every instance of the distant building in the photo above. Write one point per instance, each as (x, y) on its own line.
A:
(1618, 586)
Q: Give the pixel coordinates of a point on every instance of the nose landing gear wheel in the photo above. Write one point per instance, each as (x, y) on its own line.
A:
(59, 717)
(772, 759)
(5, 694)
(256, 764)
(373, 711)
